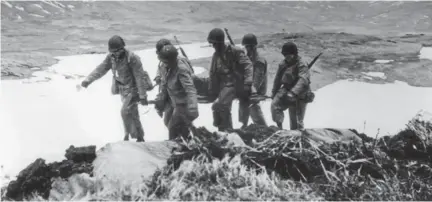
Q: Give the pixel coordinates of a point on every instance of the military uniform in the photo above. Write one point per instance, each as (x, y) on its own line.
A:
(292, 76)
(131, 82)
(229, 73)
(247, 108)
(160, 74)
(178, 87)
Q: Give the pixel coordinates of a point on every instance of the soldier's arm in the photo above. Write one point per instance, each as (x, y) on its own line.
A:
(213, 79)
(186, 81)
(100, 70)
(142, 79)
(277, 80)
(259, 74)
(303, 81)
(157, 78)
(247, 66)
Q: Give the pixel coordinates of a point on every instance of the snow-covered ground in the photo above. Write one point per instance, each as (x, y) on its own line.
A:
(42, 116)
(383, 61)
(375, 74)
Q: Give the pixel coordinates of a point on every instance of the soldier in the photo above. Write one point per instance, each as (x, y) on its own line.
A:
(290, 88)
(177, 84)
(259, 83)
(230, 77)
(162, 69)
(129, 80)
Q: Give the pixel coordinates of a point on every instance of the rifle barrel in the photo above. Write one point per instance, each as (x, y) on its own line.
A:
(229, 37)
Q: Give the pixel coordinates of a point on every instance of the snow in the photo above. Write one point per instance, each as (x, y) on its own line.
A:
(383, 61)
(19, 8)
(375, 74)
(7, 4)
(44, 115)
(426, 53)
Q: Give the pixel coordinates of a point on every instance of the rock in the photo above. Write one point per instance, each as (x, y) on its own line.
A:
(80, 154)
(36, 178)
(33, 179)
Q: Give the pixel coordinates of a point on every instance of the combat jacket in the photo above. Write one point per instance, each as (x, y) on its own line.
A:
(232, 68)
(293, 76)
(128, 73)
(179, 87)
(161, 71)
(260, 75)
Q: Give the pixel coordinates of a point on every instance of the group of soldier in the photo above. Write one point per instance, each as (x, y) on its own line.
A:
(233, 74)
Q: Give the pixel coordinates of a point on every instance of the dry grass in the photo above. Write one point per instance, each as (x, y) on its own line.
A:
(282, 167)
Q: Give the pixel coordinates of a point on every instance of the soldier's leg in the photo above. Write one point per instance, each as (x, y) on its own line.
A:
(168, 114)
(222, 108)
(278, 106)
(301, 111)
(178, 125)
(293, 118)
(257, 114)
(244, 112)
(124, 116)
(130, 116)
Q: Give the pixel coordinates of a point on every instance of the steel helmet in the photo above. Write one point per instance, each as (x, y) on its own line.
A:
(115, 43)
(289, 48)
(216, 35)
(249, 39)
(161, 43)
(168, 52)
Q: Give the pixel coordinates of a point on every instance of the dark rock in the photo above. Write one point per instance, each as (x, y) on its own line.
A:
(33, 179)
(80, 154)
(36, 178)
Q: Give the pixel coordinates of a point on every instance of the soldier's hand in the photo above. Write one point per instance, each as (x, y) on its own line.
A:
(85, 83)
(291, 96)
(143, 101)
(159, 112)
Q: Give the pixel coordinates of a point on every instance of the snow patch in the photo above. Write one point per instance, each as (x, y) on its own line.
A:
(383, 61)
(36, 15)
(199, 70)
(426, 53)
(51, 110)
(375, 74)
(7, 4)
(71, 6)
(19, 8)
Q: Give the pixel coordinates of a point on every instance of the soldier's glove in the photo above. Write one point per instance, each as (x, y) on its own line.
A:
(291, 96)
(159, 112)
(247, 90)
(143, 101)
(85, 83)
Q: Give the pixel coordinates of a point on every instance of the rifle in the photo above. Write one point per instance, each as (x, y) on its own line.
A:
(229, 37)
(314, 60)
(181, 49)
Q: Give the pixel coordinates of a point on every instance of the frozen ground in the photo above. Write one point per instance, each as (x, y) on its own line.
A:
(43, 115)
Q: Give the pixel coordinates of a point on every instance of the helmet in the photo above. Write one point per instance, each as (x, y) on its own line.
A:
(115, 43)
(161, 43)
(249, 39)
(168, 52)
(289, 48)
(216, 35)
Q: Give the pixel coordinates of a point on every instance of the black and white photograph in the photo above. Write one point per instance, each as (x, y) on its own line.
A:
(216, 100)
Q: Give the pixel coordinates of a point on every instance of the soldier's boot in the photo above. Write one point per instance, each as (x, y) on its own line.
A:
(279, 125)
